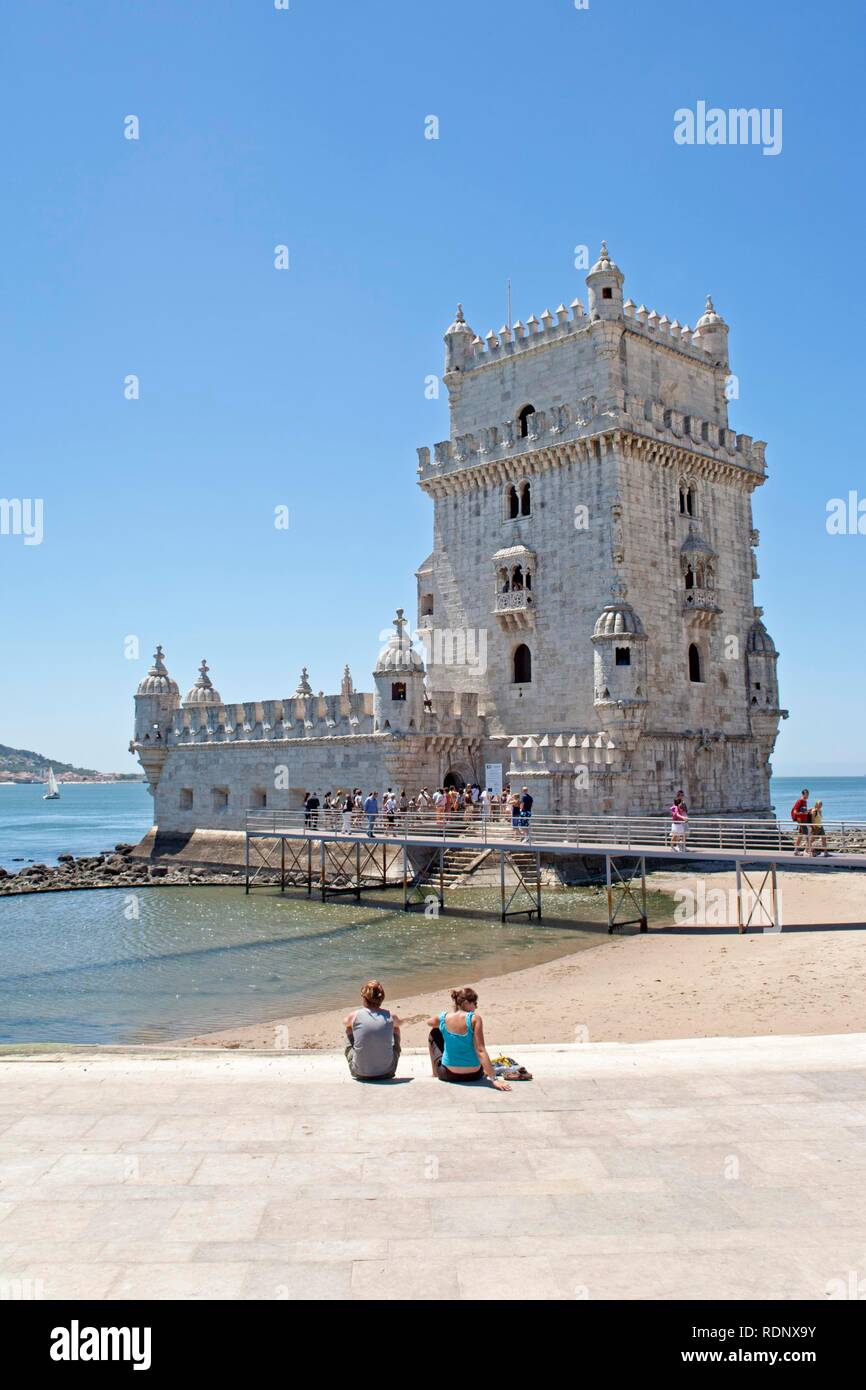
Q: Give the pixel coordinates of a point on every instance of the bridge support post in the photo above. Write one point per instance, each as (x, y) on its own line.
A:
(358, 872)
(246, 863)
(502, 885)
(771, 913)
(282, 863)
(621, 890)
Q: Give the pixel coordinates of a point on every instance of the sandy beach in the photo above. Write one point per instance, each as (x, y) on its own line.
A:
(679, 981)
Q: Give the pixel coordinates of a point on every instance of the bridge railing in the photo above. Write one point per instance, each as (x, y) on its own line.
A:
(702, 833)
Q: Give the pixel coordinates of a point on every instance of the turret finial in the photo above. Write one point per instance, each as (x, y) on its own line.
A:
(460, 318)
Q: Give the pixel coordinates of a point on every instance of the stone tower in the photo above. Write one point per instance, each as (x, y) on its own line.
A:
(590, 454)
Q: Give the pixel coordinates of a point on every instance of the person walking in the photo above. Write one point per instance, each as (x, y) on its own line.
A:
(817, 831)
(802, 816)
(371, 811)
(311, 811)
(679, 820)
(525, 812)
(348, 806)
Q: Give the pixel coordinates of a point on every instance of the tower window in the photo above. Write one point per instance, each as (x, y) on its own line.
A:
(525, 500)
(398, 690)
(522, 665)
(426, 605)
(607, 292)
(523, 418)
(694, 664)
(220, 798)
(687, 500)
(513, 503)
(258, 799)
(622, 656)
(186, 798)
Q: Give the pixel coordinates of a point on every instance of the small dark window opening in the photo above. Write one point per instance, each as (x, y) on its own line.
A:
(517, 577)
(398, 690)
(513, 503)
(523, 420)
(426, 605)
(687, 502)
(607, 292)
(690, 578)
(694, 664)
(525, 500)
(522, 665)
(623, 656)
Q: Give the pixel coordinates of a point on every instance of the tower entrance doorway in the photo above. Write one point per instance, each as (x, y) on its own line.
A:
(453, 779)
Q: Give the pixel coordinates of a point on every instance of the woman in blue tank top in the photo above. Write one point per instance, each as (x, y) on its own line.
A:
(456, 1042)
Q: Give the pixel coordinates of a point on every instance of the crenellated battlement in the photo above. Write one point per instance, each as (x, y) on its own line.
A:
(584, 418)
(298, 716)
(541, 332)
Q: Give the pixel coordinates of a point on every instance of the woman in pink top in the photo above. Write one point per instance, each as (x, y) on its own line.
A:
(679, 817)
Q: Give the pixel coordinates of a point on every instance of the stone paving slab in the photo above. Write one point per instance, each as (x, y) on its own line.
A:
(710, 1169)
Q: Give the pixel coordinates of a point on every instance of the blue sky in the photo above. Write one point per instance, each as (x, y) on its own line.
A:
(305, 387)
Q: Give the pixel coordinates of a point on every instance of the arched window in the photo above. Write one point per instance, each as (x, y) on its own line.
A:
(398, 690)
(517, 577)
(522, 665)
(622, 656)
(690, 577)
(687, 499)
(694, 664)
(513, 503)
(504, 582)
(523, 418)
(525, 500)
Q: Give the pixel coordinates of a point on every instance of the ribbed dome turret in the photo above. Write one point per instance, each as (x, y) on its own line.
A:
(759, 640)
(158, 681)
(203, 692)
(618, 619)
(709, 318)
(398, 655)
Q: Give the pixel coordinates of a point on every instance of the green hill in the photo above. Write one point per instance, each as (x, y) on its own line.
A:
(21, 763)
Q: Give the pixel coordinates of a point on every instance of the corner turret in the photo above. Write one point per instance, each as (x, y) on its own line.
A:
(398, 702)
(604, 283)
(156, 701)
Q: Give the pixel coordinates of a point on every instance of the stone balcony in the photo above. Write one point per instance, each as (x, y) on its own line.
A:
(701, 604)
(515, 609)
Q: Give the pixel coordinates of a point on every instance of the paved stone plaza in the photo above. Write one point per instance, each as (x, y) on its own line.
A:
(696, 1169)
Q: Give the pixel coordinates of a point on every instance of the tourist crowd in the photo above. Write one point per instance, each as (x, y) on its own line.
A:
(351, 811)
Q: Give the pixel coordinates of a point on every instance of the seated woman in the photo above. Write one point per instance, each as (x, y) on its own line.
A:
(374, 1037)
(456, 1043)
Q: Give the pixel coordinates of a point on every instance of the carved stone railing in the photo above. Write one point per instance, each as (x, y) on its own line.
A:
(515, 600)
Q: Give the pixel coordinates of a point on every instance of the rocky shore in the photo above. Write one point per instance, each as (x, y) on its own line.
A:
(112, 869)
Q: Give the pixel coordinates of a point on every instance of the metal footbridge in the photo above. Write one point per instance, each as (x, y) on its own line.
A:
(322, 852)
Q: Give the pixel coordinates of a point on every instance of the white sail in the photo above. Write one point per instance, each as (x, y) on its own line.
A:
(53, 789)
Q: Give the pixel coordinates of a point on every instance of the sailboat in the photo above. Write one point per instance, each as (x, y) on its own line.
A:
(53, 793)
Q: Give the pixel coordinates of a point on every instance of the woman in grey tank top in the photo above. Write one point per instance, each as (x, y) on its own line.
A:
(374, 1037)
